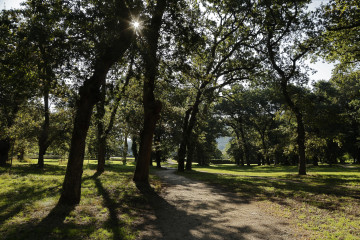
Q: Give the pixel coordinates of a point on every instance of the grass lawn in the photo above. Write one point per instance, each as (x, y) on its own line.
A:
(325, 203)
(109, 204)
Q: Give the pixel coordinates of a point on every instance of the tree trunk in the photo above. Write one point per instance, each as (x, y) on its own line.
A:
(125, 150)
(245, 144)
(152, 113)
(43, 140)
(157, 140)
(134, 148)
(301, 144)
(152, 107)
(189, 124)
(101, 136)
(190, 154)
(4, 151)
(315, 161)
(89, 95)
(183, 143)
(158, 158)
(300, 129)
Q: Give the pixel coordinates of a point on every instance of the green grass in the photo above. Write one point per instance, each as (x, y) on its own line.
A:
(109, 205)
(276, 171)
(325, 203)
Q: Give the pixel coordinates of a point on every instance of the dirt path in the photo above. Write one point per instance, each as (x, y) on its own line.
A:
(193, 210)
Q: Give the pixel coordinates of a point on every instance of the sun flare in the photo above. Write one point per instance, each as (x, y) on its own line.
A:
(136, 24)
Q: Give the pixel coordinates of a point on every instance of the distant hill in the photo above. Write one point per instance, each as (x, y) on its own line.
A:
(221, 142)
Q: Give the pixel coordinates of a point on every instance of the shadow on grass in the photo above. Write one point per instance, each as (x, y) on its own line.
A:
(26, 214)
(33, 169)
(279, 168)
(111, 205)
(319, 191)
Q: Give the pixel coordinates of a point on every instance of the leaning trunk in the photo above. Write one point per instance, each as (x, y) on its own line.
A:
(152, 107)
(89, 93)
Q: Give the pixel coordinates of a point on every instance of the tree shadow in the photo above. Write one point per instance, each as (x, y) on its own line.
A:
(111, 205)
(301, 189)
(180, 218)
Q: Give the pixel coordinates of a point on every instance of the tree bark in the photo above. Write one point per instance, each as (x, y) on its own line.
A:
(134, 148)
(101, 138)
(190, 154)
(4, 151)
(152, 107)
(245, 143)
(102, 132)
(89, 95)
(43, 140)
(183, 143)
(189, 124)
(125, 150)
(157, 141)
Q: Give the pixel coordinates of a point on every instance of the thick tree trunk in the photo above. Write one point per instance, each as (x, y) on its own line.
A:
(4, 151)
(152, 113)
(152, 107)
(44, 136)
(89, 95)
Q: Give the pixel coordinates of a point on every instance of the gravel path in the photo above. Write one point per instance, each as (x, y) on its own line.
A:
(189, 209)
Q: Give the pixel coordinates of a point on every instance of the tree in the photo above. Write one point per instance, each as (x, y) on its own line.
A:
(222, 55)
(103, 129)
(17, 74)
(287, 28)
(46, 29)
(111, 36)
(152, 107)
(340, 39)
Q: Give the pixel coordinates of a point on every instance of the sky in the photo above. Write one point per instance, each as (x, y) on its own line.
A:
(323, 69)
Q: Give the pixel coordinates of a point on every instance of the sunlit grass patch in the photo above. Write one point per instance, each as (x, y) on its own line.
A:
(28, 203)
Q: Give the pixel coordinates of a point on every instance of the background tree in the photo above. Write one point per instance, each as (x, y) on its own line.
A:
(17, 74)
